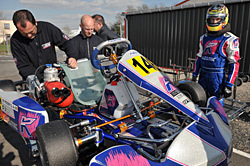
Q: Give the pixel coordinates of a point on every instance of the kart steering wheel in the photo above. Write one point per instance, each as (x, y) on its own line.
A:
(96, 62)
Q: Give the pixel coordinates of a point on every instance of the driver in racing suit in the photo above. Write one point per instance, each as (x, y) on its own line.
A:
(218, 51)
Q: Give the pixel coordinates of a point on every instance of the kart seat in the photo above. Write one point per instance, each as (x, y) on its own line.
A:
(86, 82)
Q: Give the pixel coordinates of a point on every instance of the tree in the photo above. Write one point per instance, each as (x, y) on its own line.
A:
(116, 28)
(67, 31)
(130, 8)
(119, 24)
(143, 7)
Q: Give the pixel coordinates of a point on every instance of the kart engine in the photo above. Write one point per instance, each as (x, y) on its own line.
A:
(52, 90)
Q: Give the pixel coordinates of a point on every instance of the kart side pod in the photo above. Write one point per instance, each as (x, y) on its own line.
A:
(116, 101)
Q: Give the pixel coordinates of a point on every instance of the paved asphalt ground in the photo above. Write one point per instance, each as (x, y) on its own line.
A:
(13, 149)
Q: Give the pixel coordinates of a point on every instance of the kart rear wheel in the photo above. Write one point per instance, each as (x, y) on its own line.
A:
(56, 144)
(239, 81)
(245, 78)
(53, 115)
(194, 92)
(7, 85)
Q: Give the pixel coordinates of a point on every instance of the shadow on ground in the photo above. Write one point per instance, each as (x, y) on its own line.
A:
(17, 143)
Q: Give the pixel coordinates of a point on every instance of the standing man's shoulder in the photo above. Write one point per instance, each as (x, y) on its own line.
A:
(52, 31)
(46, 26)
(97, 38)
(107, 33)
(106, 28)
(16, 36)
(77, 37)
(230, 35)
(77, 41)
(203, 36)
(232, 40)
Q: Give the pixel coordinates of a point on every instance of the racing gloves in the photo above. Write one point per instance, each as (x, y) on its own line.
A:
(227, 92)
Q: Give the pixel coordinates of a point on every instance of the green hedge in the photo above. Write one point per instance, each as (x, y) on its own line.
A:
(3, 48)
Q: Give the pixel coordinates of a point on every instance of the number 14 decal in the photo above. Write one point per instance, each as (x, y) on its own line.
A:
(142, 65)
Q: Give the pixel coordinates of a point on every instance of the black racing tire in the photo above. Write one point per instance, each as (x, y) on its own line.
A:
(239, 81)
(245, 78)
(53, 115)
(7, 85)
(194, 92)
(56, 144)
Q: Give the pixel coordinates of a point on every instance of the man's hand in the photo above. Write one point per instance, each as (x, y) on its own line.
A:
(72, 63)
(194, 78)
(227, 92)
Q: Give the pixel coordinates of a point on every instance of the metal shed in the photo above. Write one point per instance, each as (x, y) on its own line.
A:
(173, 32)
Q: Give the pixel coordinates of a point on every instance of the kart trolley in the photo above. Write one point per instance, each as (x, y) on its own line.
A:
(180, 74)
(233, 107)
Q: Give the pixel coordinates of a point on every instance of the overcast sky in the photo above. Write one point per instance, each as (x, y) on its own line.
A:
(68, 12)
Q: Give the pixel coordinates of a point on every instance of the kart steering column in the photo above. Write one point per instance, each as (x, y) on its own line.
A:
(132, 98)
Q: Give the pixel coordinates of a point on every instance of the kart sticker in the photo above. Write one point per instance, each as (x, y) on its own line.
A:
(142, 65)
(8, 108)
(119, 155)
(25, 121)
(172, 90)
(177, 93)
(110, 104)
(28, 122)
(167, 85)
(152, 80)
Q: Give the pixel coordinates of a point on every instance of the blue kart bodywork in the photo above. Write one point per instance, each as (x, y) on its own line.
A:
(202, 136)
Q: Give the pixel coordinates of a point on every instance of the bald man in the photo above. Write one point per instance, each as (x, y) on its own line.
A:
(86, 41)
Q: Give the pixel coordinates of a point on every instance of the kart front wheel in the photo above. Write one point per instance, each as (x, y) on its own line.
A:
(194, 92)
(56, 144)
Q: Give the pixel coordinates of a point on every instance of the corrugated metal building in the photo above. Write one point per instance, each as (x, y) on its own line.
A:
(173, 32)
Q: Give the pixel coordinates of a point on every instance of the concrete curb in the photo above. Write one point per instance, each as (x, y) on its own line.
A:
(239, 152)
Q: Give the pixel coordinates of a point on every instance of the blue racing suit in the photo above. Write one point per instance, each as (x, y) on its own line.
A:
(215, 54)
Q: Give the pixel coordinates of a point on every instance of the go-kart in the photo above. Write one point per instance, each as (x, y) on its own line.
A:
(135, 116)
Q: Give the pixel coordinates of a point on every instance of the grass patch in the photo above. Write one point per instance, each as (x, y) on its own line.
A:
(3, 48)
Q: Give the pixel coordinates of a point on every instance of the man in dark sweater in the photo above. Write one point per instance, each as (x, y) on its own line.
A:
(86, 41)
(33, 44)
(102, 29)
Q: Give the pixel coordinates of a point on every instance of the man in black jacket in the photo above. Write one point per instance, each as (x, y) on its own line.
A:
(33, 44)
(102, 29)
(86, 41)
(105, 33)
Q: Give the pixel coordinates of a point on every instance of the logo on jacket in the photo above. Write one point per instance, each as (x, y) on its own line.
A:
(65, 37)
(46, 45)
(210, 47)
(236, 43)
